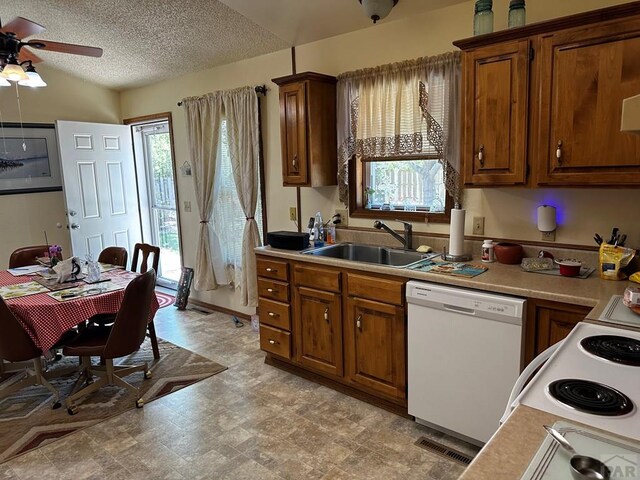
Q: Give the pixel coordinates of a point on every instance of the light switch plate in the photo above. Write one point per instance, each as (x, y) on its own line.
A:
(478, 225)
(548, 236)
(187, 206)
(293, 214)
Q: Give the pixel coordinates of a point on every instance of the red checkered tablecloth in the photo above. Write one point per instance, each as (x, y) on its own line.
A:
(45, 319)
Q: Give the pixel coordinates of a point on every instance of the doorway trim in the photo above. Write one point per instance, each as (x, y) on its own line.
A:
(153, 118)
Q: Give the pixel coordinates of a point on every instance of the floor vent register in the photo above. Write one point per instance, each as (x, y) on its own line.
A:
(446, 452)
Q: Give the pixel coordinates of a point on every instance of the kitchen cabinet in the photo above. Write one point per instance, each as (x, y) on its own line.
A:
(308, 129)
(496, 93)
(547, 323)
(585, 76)
(274, 307)
(547, 99)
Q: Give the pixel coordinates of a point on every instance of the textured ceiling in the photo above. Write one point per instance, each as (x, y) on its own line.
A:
(145, 41)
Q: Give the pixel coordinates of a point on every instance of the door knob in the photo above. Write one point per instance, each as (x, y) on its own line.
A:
(75, 226)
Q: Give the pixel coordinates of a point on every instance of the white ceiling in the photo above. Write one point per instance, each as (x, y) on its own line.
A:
(145, 41)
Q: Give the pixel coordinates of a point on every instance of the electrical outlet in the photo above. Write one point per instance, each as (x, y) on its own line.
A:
(344, 216)
(293, 214)
(548, 236)
(478, 225)
(187, 206)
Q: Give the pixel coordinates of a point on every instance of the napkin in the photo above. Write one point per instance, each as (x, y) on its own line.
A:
(67, 269)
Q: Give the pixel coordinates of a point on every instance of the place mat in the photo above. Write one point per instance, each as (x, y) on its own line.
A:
(84, 291)
(30, 270)
(551, 461)
(21, 290)
(584, 272)
(107, 267)
(456, 269)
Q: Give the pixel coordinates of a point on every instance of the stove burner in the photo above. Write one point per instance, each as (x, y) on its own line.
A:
(617, 349)
(590, 397)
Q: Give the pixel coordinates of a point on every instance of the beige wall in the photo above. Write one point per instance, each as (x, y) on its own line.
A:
(509, 212)
(24, 217)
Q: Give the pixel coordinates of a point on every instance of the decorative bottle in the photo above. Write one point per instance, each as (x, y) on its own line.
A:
(483, 18)
(318, 231)
(488, 254)
(517, 13)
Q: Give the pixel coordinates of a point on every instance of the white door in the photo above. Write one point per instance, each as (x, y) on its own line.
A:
(99, 183)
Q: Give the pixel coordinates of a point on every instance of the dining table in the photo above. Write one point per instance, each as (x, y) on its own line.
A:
(47, 313)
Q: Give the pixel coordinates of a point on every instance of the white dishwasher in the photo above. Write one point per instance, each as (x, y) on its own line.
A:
(464, 350)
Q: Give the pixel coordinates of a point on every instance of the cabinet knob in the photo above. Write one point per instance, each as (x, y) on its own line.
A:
(326, 314)
(481, 155)
(273, 342)
(271, 290)
(559, 152)
(359, 322)
(294, 161)
(269, 269)
(272, 314)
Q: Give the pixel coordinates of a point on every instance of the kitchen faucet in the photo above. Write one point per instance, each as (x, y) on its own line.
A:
(407, 241)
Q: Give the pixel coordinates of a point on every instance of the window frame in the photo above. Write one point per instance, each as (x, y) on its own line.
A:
(357, 208)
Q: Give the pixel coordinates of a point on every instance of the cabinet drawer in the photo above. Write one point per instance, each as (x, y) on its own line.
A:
(378, 289)
(275, 314)
(318, 278)
(272, 269)
(273, 289)
(275, 341)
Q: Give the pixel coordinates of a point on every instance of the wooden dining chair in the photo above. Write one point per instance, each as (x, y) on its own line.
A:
(122, 339)
(17, 346)
(144, 252)
(25, 256)
(114, 256)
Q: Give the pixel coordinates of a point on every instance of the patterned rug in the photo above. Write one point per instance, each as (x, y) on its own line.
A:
(164, 299)
(27, 420)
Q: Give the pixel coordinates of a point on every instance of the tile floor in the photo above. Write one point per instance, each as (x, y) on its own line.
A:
(252, 421)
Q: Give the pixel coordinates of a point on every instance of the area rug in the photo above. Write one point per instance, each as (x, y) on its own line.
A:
(164, 300)
(27, 420)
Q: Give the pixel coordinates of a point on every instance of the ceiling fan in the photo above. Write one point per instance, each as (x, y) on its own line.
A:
(15, 52)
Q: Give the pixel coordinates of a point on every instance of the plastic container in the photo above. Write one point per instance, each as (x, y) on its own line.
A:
(331, 234)
(483, 18)
(517, 14)
(569, 267)
(318, 231)
(488, 253)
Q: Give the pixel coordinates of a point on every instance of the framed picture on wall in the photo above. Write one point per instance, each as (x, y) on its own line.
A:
(29, 158)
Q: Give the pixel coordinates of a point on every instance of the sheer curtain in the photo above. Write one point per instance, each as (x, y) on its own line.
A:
(404, 108)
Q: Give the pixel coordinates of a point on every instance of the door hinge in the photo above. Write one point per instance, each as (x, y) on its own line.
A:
(532, 53)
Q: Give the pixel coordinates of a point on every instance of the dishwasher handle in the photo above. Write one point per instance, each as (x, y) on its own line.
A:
(457, 309)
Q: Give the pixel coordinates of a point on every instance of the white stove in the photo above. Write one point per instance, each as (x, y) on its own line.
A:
(618, 406)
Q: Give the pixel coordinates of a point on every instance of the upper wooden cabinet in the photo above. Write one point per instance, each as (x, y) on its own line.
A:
(585, 76)
(547, 98)
(308, 129)
(496, 92)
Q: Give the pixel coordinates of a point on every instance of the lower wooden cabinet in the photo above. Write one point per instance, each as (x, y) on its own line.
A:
(548, 323)
(375, 346)
(318, 330)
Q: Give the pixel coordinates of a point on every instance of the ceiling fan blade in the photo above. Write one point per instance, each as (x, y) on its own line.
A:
(22, 27)
(26, 55)
(65, 48)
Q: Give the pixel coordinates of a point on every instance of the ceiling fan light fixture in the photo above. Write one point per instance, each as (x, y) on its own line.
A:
(377, 9)
(12, 71)
(34, 79)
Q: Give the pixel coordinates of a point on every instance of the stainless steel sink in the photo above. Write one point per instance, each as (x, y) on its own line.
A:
(371, 254)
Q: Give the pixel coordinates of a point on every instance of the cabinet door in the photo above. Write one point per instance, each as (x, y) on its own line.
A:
(548, 323)
(293, 129)
(318, 330)
(585, 75)
(496, 92)
(375, 346)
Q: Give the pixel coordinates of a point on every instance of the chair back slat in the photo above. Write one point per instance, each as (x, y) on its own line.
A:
(15, 343)
(26, 256)
(130, 326)
(146, 250)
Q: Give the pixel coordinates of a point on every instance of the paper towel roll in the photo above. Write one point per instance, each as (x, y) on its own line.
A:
(456, 232)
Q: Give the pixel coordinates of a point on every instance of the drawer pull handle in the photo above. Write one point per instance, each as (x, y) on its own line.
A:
(359, 322)
(326, 314)
(559, 152)
(273, 342)
(271, 290)
(294, 162)
(481, 155)
(272, 314)
(274, 270)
